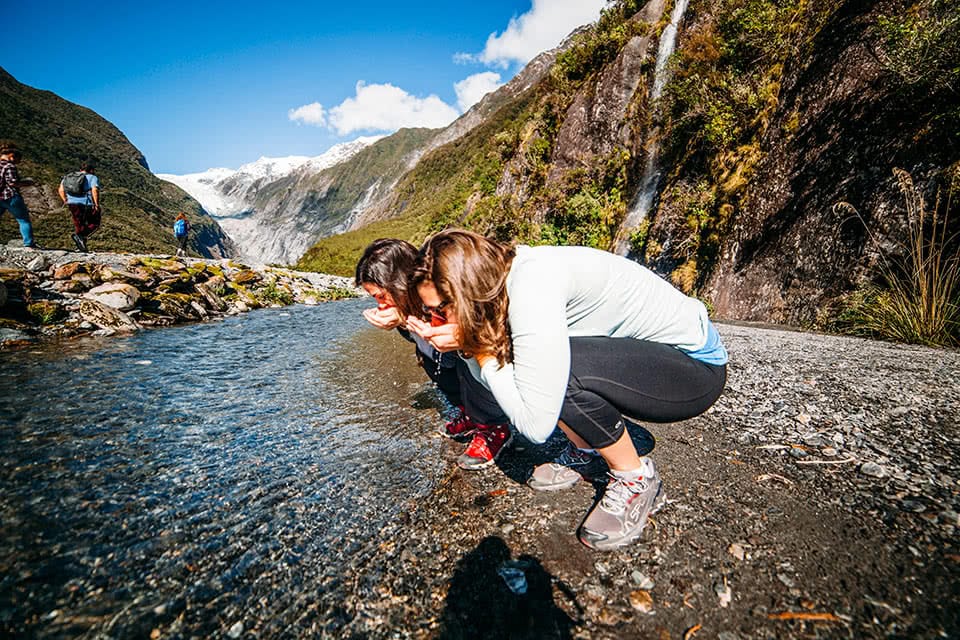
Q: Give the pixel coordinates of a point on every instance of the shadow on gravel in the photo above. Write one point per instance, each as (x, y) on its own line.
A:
(480, 604)
(517, 462)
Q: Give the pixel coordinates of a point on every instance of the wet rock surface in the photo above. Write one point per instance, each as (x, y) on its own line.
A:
(817, 499)
(62, 294)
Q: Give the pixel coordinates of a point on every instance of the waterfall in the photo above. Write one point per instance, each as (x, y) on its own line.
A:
(651, 172)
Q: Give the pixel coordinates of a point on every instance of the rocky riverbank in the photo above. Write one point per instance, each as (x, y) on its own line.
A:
(62, 294)
(818, 498)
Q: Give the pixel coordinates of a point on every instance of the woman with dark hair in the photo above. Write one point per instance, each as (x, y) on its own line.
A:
(577, 338)
(384, 272)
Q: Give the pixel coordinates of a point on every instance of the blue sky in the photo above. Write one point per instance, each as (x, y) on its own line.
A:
(196, 85)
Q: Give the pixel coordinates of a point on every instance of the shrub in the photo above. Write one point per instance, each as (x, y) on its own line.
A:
(918, 298)
(922, 47)
(45, 311)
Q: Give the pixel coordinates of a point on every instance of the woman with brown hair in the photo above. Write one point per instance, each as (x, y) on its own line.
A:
(577, 338)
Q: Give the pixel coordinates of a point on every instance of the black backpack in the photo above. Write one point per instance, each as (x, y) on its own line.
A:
(75, 184)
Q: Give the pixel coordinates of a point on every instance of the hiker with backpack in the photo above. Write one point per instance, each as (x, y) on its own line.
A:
(181, 231)
(10, 198)
(80, 192)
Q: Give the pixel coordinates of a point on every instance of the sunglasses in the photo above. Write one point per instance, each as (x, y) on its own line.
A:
(437, 311)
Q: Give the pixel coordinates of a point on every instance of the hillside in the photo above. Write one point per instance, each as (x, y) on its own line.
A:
(295, 210)
(771, 114)
(55, 136)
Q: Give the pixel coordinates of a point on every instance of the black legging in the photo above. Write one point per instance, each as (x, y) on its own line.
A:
(462, 389)
(649, 381)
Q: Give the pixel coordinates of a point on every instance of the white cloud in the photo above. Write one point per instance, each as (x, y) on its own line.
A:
(312, 113)
(543, 27)
(472, 88)
(384, 107)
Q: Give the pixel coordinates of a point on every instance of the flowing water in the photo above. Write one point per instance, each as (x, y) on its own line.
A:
(206, 479)
(650, 181)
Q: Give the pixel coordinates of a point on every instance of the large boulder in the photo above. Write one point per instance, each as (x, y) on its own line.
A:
(106, 317)
(117, 295)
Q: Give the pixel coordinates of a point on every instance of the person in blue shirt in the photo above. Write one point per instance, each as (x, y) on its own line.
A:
(84, 207)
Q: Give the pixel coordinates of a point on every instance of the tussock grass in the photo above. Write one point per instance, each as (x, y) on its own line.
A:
(918, 299)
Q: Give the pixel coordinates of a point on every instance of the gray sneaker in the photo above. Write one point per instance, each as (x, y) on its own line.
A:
(619, 517)
(565, 471)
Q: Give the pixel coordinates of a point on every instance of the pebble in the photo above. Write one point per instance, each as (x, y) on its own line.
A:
(724, 593)
(873, 470)
(641, 600)
(737, 551)
(641, 580)
(236, 630)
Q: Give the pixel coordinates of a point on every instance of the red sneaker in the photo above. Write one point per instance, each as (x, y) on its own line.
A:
(486, 445)
(459, 427)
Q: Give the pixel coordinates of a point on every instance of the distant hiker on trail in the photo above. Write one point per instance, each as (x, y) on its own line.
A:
(575, 338)
(80, 191)
(181, 231)
(10, 198)
(384, 272)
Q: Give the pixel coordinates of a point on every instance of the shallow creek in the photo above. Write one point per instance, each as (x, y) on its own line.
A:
(220, 478)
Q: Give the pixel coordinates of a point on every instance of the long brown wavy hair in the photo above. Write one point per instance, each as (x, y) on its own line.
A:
(470, 271)
(388, 263)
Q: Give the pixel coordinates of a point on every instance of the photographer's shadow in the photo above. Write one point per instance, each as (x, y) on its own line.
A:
(481, 603)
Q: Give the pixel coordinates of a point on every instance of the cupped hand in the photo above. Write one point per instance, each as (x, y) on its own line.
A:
(445, 337)
(383, 318)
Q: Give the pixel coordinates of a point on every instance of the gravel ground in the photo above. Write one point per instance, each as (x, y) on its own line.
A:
(817, 499)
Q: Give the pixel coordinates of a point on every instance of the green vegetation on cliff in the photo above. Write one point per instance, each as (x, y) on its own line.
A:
(55, 136)
(475, 180)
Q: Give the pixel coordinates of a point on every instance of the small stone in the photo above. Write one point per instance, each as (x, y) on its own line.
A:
(724, 593)
(899, 412)
(642, 581)
(912, 506)
(737, 551)
(873, 470)
(802, 418)
(813, 440)
(155, 634)
(236, 630)
(37, 264)
(507, 529)
(601, 568)
(829, 451)
(641, 600)
(786, 580)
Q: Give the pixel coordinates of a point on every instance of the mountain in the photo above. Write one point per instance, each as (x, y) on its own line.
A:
(138, 209)
(231, 197)
(767, 119)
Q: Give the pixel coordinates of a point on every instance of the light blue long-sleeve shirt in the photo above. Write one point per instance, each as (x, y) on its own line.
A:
(557, 293)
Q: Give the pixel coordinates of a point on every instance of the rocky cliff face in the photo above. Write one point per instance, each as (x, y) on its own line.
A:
(842, 123)
(772, 113)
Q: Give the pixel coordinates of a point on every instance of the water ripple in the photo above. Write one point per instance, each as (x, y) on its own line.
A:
(196, 476)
